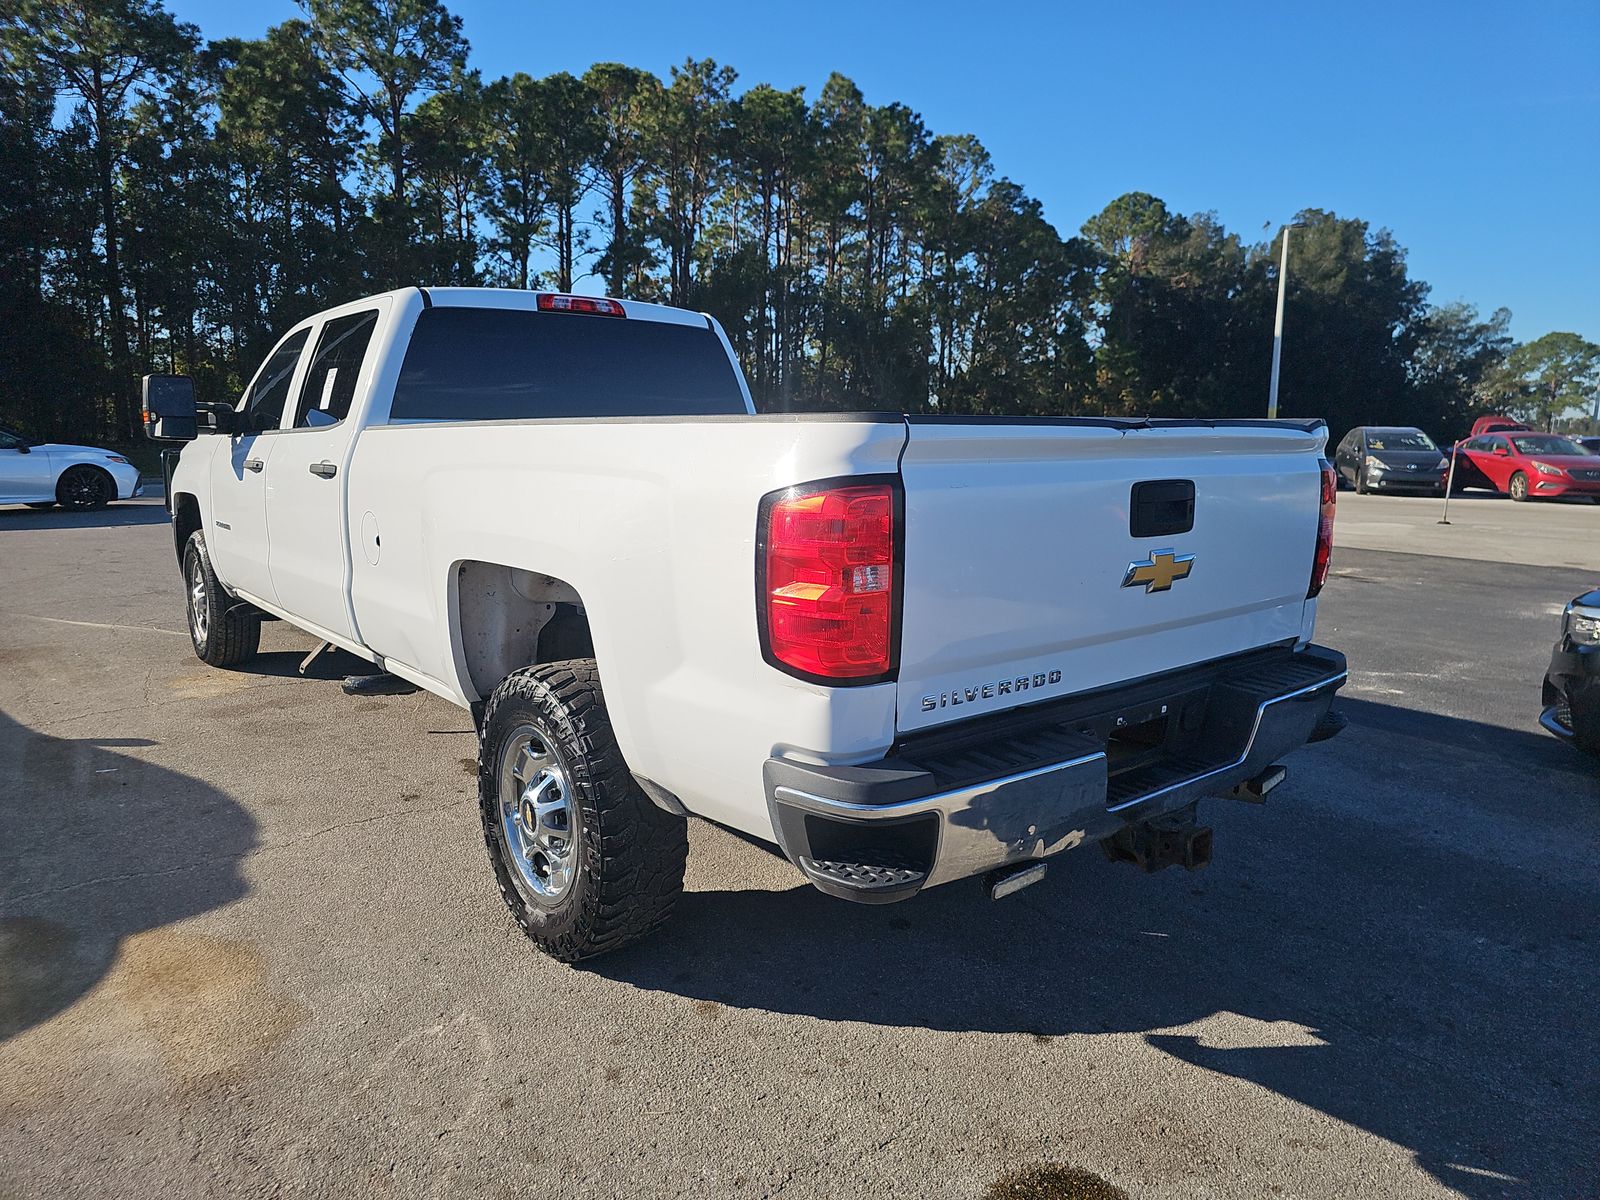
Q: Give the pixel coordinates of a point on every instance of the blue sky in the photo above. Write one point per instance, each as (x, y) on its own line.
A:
(1471, 130)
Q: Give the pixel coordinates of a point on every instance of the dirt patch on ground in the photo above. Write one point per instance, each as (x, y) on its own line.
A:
(41, 972)
(1050, 1181)
(197, 1004)
(203, 999)
(209, 684)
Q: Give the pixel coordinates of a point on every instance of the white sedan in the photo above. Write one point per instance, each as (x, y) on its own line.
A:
(79, 477)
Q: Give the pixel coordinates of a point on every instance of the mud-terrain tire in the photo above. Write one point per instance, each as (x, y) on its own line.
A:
(225, 632)
(585, 861)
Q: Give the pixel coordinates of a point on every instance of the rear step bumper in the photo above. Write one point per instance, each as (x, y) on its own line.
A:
(979, 796)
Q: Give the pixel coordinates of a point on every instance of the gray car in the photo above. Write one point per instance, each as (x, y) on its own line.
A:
(1385, 458)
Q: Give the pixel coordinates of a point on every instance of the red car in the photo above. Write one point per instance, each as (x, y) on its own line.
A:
(1493, 424)
(1527, 466)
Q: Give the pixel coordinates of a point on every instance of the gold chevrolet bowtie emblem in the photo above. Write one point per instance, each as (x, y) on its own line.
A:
(1159, 571)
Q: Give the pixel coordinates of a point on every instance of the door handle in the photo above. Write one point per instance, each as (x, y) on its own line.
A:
(325, 470)
(253, 464)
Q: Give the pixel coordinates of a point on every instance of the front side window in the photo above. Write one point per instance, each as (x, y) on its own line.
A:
(263, 405)
(331, 378)
(9, 440)
(491, 364)
(1545, 443)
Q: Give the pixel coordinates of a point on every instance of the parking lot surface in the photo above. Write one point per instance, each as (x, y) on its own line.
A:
(249, 945)
(1483, 527)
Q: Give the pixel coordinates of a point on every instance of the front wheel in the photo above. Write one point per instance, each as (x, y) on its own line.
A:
(225, 631)
(1361, 479)
(85, 489)
(1519, 487)
(585, 861)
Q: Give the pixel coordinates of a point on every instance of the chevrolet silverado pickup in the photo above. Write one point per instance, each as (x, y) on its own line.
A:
(906, 650)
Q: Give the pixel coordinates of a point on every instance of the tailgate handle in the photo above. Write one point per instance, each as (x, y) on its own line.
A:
(1161, 508)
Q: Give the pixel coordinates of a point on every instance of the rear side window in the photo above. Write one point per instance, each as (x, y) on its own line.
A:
(263, 407)
(486, 364)
(331, 378)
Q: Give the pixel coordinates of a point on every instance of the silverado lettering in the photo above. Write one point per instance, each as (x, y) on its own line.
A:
(988, 691)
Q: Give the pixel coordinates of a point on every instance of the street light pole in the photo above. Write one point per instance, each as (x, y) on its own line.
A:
(1277, 326)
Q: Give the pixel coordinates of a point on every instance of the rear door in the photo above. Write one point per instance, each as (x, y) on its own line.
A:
(1035, 568)
(237, 535)
(309, 553)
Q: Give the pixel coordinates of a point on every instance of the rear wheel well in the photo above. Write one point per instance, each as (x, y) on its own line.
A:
(185, 520)
(508, 618)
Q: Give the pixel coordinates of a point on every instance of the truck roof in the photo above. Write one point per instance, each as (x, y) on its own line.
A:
(516, 298)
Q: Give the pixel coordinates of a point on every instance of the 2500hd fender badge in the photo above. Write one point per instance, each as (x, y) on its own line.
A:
(988, 691)
(1160, 571)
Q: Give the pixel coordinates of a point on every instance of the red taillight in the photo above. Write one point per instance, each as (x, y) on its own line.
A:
(827, 585)
(1319, 564)
(555, 302)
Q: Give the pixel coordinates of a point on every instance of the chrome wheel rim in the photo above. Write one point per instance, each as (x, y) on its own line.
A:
(538, 825)
(199, 618)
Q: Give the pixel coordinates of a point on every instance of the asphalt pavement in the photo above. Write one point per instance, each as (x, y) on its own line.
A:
(1476, 525)
(250, 946)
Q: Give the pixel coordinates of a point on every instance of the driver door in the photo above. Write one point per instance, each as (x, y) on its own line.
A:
(310, 461)
(1497, 464)
(25, 474)
(237, 534)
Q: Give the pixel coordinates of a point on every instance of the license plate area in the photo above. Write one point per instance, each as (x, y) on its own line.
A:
(1144, 733)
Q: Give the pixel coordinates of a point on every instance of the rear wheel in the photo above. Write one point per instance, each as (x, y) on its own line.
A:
(225, 632)
(585, 861)
(85, 488)
(1519, 487)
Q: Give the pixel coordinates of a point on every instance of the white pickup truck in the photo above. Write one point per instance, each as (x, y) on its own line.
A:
(907, 650)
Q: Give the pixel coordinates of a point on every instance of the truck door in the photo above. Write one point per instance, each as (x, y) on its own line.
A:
(310, 554)
(237, 534)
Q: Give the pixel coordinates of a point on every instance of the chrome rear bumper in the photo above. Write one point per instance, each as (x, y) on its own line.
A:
(932, 813)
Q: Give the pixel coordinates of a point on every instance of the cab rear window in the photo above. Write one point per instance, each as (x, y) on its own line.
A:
(486, 364)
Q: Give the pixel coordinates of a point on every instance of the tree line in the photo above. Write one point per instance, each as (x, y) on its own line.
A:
(172, 203)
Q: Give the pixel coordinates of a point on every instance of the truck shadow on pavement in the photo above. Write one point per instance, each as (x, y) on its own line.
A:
(1432, 985)
(96, 848)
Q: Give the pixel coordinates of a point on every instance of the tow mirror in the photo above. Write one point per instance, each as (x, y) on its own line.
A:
(169, 408)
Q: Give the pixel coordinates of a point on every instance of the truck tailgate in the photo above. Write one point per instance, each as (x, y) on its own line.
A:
(1019, 539)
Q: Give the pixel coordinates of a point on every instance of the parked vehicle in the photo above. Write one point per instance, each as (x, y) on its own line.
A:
(44, 474)
(906, 650)
(1390, 458)
(1572, 685)
(1526, 466)
(1591, 444)
(1496, 424)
